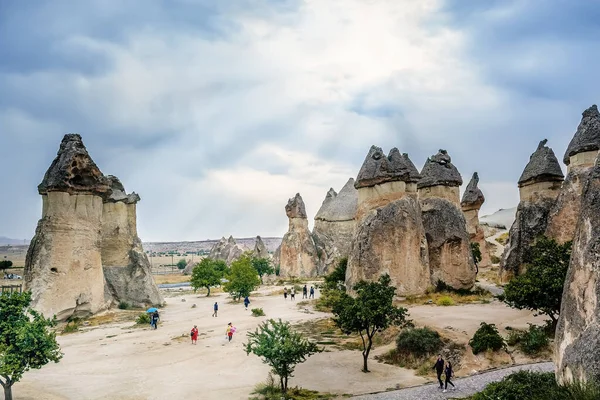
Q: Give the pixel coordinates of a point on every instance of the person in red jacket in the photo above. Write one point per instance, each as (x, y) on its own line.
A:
(194, 335)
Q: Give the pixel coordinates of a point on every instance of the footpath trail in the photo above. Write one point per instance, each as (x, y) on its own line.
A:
(464, 386)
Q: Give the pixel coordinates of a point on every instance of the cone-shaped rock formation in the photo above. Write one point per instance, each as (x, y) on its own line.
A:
(471, 203)
(440, 178)
(297, 254)
(226, 250)
(260, 250)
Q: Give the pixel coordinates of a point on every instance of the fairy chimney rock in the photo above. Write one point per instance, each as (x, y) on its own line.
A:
(542, 177)
(584, 146)
(260, 250)
(226, 250)
(471, 203)
(440, 178)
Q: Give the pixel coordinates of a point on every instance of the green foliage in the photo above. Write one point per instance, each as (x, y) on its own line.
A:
(540, 288)
(337, 278)
(26, 341)
(277, 269)
(495, 259)
(372, 310)
(242, 278)
(71, 326)
(143, 319)
(445, 301)
(258, 312)
(476, 252)
(207, 273)
(123, 305)
(5, 264)
(530, 342)
(419, 342)
(281, 348)
(589, 390)
(270, 391)
(486, 338)
(523, 385)
(262, 266)
(181, 264)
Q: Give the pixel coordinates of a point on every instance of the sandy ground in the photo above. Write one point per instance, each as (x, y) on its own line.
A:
(118, 362)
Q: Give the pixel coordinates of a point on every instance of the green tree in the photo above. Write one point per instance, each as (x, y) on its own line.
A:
(263, 267)
(25, 340)
(181, 264)
(280, 347)
(540, 287)
(207, 273)
(337, 278)
(371, 311)
(5, 264)
(242, 278)
(476, 253)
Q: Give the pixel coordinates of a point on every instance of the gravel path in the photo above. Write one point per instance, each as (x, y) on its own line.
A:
(465, 386)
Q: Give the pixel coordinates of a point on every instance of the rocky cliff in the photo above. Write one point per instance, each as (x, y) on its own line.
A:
(579, 158)
(63, 267)
(389, 236)
(260, 250)
(471, 203)
(297, 256)
(127, 271)
(448, 242)
(578, 331)
(539, 187)
(226, 250)
(334, 225)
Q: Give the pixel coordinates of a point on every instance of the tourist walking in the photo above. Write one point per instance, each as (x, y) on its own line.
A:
(312, 293)
(293, 294)
(194, 334)
(246, 302)
(439, 369)
(230, 331)
(449, 374)
(285, 293)
(215, 309)
(304, 292)
(155, 318)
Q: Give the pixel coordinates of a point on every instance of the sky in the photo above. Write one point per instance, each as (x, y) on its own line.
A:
(217, 112)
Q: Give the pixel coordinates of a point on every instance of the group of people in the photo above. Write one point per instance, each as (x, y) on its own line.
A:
(305, 291)
(228, 333)
(442, 367)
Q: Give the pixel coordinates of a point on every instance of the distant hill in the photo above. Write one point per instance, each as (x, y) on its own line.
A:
(501, 219)
(271, 243)
(4, 241)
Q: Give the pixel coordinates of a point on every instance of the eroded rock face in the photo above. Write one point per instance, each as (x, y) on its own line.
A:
(297, 255)
(334, 225)
(63, 268)
(578, 331)
(260, 250)
(471, 203)
(226, 250)
(587, 136)
(450, 259)
(127, 271)
(391, 240)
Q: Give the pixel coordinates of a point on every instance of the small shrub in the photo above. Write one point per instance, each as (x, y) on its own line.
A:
(71, 327)
(258, 312)
(589, 390)
(419, 342)
(486, 338)
(502, 239)
(143, 319)
(123, 305)
(495, 259)
(534, 340)
(523, 385)
(445, 301)
(514, 337)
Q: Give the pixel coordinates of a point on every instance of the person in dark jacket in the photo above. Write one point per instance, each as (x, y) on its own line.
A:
(449, 373)
(246, 302)
(439, 369)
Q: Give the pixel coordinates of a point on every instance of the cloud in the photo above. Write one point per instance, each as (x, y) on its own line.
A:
(217, 112)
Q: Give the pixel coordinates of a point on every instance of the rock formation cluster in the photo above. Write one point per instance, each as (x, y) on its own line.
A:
(334, 225)
(226, 250)
(471, 203)
(85, 254)
(297, 255)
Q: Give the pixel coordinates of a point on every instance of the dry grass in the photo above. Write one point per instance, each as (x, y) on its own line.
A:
(171, 278)
(491, 274)
(502, 239)
(442, 298)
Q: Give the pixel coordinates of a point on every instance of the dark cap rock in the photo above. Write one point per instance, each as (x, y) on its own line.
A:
(439, 170)
(118, 193)
(73, 171)
(543, 166)
(473, 196)
(378, 169)
(295, 207)
(587, 137)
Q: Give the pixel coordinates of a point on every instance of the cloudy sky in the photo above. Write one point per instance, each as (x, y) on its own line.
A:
(216, 112)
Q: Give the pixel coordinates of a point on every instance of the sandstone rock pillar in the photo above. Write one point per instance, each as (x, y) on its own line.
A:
(389, 236)
(297, 254)
(449, 246)
(471, 203)
(539, 187)
(63, 268)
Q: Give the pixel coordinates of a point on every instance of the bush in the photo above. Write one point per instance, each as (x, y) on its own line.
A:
(445, 301)
(534, 340)
(523, 385)
(71, 327)
(123, 305)
(495, 259)
(486, 338)
(419, 342)
(514, 337)
(258, 312)
(143, 319)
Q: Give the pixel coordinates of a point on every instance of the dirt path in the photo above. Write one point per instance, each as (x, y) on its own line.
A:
(464, 386)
